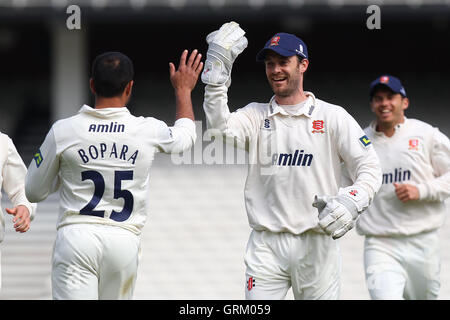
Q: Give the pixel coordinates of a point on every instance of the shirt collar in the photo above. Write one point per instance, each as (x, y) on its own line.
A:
(398, 126)
(307, 109)
(104, 112)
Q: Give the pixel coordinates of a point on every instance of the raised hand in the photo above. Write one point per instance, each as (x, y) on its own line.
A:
(224, 45)
(185, 78)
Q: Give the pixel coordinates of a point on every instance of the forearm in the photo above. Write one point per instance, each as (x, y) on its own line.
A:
(14, 183)
(370, 178)
(18, 198)
(437, 189)
(183, 81)
(184, 107)
(364, 173)
(14, 180)
(216, 108)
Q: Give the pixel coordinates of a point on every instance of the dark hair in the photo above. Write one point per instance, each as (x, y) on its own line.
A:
(111, 72)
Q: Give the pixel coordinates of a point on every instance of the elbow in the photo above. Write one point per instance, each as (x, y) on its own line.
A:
(188, 139)
(187, 135)
(34, 194)
(32, 197)
(184, 144)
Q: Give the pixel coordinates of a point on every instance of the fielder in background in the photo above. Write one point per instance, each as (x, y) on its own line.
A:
(401, 249)
(101, 158)
(296, 143)
(12, 181)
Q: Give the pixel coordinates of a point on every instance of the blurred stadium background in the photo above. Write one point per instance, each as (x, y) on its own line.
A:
(195, 237)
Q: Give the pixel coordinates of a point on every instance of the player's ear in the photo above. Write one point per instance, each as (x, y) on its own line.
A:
(129, 87)
(91, 85)
(405, 103)
(303, 65)
(372, 105)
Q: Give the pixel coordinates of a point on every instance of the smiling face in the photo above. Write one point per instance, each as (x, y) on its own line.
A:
(389, 107)
(285, 74)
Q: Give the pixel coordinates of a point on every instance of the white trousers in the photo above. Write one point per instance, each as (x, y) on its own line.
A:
(405, 267)
(93, 261)
(310, 263)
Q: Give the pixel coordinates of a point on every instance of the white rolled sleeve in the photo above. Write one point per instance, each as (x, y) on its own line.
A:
(175, 139)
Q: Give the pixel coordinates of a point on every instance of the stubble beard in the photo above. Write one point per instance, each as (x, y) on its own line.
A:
(292, 86)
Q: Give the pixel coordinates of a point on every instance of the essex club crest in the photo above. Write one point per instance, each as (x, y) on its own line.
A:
(318, 126)
(274, 41)
(413, 144)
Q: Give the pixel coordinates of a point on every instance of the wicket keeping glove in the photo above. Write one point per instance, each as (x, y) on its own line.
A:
(338, 214)
(225, 45)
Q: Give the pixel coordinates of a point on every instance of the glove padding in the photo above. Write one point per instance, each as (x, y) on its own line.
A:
(337, 215)
(225, 45)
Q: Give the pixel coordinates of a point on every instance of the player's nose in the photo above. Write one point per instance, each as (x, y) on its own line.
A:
(276, 68)
(383, 102)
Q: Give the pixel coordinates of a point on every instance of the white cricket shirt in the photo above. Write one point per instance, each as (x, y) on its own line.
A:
(12, 179)
(101, 160)
(293, 158)
(417, 154)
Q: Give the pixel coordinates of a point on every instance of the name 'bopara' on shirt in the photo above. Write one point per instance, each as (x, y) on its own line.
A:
(103, 157)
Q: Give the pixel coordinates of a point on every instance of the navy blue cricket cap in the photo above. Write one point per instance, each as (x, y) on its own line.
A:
(390, 82)
(284, 44)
